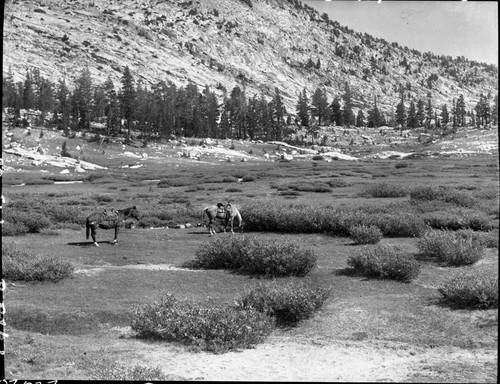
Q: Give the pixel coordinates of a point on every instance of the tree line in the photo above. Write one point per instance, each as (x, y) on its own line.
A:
(164, 109)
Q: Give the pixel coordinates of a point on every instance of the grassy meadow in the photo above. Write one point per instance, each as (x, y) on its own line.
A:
(60, 329)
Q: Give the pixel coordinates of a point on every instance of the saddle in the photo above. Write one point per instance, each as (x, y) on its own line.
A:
(109, 218)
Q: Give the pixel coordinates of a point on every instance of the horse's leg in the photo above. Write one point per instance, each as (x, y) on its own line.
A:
(210, 227)
(92, 233)
(232, 225)
(115, 241)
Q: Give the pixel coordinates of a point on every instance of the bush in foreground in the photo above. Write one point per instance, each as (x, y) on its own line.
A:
(204, 326)
(22, 265)
(452, 248)
(255, 256)
(475, 290)
(288, 303)
(384, 262)
(364, 234)
(107, 369)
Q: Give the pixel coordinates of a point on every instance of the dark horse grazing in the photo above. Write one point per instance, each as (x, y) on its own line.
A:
(227, 213)
(109, 219)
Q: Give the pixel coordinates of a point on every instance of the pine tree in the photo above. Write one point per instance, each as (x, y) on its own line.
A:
(83, 100)
(28, 93)
(347, 114)
(112, 108)
(279, 112)
(460, 110)
(412, 116)
(360, 119)
(429, 114)
(336, 112)
(420, 113)
(303, 109)
(374, 116)
(127, 99)
(319, 104)
(494, 110)
(401, 114)
(63, 105)
(445, 118)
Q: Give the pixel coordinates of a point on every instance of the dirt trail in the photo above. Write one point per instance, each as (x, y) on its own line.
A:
(283, 359)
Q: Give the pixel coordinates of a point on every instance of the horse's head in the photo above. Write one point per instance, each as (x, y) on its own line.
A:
(134, 213)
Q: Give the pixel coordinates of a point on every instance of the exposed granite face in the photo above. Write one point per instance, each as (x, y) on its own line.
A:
(224, 43)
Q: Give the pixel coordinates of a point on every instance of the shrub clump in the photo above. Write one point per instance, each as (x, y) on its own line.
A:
(287, 303)
(365, 234)
(452, 248)
(203, 325)
(398, 224)
(254, 256)
(385, 262)
(449, 195)
(22, 265)
(20, 221)
(476, 290)
(385, 190)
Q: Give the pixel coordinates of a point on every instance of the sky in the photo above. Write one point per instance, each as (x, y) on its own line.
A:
(454, 28)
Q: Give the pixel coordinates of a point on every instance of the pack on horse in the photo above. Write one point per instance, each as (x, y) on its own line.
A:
(109, 219)
(226, 213)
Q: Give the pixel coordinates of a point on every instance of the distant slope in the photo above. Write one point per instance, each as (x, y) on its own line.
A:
(257, 44)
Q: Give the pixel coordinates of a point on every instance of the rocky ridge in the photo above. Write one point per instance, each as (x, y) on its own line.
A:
(256, 44)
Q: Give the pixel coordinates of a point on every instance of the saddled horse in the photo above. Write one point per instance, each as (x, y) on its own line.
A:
(214, 212)
(226, 213)
(231, 214)
(109, 219)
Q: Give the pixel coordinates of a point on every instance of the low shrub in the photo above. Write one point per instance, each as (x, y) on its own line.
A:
(400, 165)
(398, 224)
(255, 256)
(310, 187)
(451, 248)
(363, 234)
(103, 198)
(338, 183)
(384, 190)
(458, 218)
(299, 218)
(38, 182)
(449, 195)
(384, 262)
(111, 370)
(476, 290)
(22, 265)
(205, 325)
(34, 222)
(233, 190)
(14, 229)
(288, 302)
(176, 182)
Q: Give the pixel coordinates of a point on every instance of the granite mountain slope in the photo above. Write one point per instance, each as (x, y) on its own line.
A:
(256, 44)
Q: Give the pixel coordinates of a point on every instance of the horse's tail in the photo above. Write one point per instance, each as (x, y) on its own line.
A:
(87, 228)
(203, 213)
